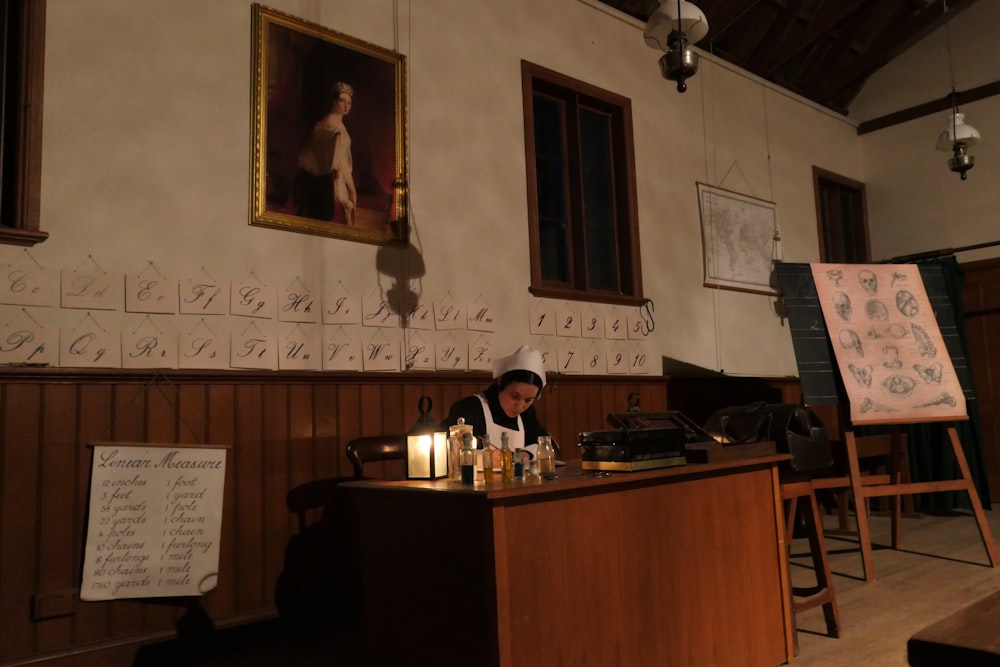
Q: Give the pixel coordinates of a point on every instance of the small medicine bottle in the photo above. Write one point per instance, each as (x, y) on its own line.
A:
(487, 459)
(506, 459)
(467, 460)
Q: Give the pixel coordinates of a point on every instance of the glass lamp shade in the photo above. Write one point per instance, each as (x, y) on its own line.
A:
(426, 446)
(664, 20)
(957, 129)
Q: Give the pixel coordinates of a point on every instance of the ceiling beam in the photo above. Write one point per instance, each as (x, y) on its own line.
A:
(927, 108)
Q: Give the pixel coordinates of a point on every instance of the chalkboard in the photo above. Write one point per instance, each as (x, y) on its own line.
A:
(154, 521)
(814, 357)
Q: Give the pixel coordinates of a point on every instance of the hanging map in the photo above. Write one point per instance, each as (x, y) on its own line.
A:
(739, 235)
(889, 348)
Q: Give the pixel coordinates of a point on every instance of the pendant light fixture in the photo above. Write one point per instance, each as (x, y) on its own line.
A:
(958, 135)
(672, 27)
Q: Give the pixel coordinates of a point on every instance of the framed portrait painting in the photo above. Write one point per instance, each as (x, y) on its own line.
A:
(328, 146)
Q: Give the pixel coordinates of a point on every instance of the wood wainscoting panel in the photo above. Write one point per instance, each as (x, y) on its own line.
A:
(982, 319)
(283, 430)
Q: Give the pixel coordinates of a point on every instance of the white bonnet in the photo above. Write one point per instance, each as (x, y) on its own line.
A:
(525, 358)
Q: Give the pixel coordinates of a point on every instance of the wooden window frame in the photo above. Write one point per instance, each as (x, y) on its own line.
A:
(626, 225)
(21, 142)
(824, 175)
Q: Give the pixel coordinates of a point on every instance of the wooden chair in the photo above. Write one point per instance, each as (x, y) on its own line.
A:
(375, 448)
(822, 593)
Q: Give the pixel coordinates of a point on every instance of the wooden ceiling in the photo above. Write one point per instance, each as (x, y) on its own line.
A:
(823, 50)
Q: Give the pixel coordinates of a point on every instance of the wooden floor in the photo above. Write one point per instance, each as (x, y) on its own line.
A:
(941, 567)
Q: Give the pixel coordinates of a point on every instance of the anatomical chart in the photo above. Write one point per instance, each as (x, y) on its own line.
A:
(888, 345)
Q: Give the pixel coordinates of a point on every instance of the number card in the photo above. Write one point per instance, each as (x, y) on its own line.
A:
(567, 321)
(638, 361)
(618, 359)
(638, 327)
(549, 360)
(570, 357)
(594, 360)
(615, 327)
(592, 323)
(542, 320)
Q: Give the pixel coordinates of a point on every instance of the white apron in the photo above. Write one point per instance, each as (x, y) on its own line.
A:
(515, 439)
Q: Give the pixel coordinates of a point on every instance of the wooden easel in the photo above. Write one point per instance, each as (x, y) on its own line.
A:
(862, 489)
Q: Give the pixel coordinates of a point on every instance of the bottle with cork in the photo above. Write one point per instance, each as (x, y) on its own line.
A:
(506, 459)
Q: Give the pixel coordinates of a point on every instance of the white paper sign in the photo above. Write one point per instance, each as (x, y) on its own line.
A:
(419, 352)
(618, 359)
(28, 286)
(377, 311)
(298, 304)
(570, 357)
(341, 352)
(567, 322)
(380, 353)
(252, 299)
(203, 296)
(91, 290)
(542, 320)
(479, 316)
(149, 292)
(639, 361)
(155, 521)
(549, 360)
(96, 348)
(202, 348)
(594, 360)
(341, 307)
(481, 353)
(592, 323)
(420, 315)
(450, 354)
(252, 348)
(638, 326)
(449, 315)
(148, 347)
(615, 327)
(299, 350)
(26, 342)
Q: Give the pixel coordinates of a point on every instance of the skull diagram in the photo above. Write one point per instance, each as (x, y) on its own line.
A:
(842, 304)
(869, 281)
(850, 341)
(906, 303)
(876, 310)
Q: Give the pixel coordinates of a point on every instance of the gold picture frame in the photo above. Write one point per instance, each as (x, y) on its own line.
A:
(326, 158)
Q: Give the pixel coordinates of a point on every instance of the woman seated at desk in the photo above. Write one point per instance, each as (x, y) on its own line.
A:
(507, 405)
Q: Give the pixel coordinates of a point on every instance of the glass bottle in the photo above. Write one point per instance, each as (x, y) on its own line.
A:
(467, 459)
(546, 456)
(506, 459)
(455, 447)
(487, 459)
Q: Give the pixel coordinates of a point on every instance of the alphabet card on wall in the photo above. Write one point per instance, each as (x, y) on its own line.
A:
(618, 358)
(201, 347)
(341, 306)
(615, 326)
(341, 351)
(377, 311)
(297, 303)
(299, 349)
(147, 346)
(91, 290)
(542, 319)
(449, 314)
(253, 348)
(89, 345)
(252, 298)
(479, 316)
(381, 353)
(420, 314)
(592, 323)
(450, 354)
(29, 285)
(481, 353)
(567, 321)
(149, 291)
(419, 352)
(570, 356)
(203, 295)
(24, 340)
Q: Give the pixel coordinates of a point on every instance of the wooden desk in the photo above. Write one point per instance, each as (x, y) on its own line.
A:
(677, 566)
(969, 638)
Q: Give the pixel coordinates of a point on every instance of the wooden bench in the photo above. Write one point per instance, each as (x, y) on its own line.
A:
(970, 637)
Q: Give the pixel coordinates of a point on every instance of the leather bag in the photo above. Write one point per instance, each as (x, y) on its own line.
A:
(794, 429)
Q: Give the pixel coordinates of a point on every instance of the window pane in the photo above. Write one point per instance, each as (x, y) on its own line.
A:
(598, 200)
(550, 167)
